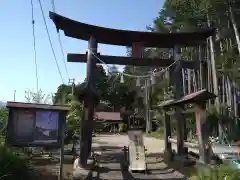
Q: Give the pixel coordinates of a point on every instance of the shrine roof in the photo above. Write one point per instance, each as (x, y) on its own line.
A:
(109, 116)
(37, 106)
(119, 37)
(195, 97)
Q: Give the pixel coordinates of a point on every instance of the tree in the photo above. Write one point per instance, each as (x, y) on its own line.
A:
(117, 92)
(189, 15)
(3, 120)
(38, 97)
(74, 118)
(61, 96)
(101, 79)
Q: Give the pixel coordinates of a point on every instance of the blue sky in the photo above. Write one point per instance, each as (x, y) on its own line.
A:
(16, 41)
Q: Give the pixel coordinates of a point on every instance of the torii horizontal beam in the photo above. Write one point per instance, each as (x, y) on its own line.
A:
(123, 60)
(119, 37)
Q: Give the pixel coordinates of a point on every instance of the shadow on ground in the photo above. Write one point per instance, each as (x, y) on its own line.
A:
(112, 162)
(46, 168)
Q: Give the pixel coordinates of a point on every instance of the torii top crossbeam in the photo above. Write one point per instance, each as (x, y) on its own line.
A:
(104, 35)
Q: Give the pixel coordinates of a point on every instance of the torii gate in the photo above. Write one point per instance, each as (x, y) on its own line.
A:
(136, 40)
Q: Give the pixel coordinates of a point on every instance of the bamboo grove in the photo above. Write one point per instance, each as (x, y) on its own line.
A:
(220, 54)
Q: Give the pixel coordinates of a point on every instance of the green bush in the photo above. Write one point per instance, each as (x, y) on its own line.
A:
(2, 140)
(220, 173)
(122, 127)
(14, 167)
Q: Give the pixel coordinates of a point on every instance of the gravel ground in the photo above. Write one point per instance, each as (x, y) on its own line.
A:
(111, 159)
(113, 145)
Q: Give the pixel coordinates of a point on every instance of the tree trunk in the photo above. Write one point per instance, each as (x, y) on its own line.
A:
(189, 80)
(228, 92)
(223, 89)
(209, 77)
(234, 24)
(234, 99)
(200, 75)
(213, 67)
(194, 81)
(184, 81)
(214, 78)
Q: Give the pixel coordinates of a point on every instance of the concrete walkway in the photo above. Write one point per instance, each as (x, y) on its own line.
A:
(112, 159)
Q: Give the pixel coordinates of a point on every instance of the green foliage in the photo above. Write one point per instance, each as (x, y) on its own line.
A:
(74, 118)
(158, 134)
(61, 96)
(14, 167)
(2, 140)
(3, 120)
(122, 127)
(220, 172)
(117, 94)
(37, 97)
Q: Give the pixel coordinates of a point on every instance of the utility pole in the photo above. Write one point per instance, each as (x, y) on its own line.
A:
(72, 83)
(14, 96)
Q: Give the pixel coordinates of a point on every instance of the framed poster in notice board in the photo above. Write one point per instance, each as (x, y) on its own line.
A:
(35, 125)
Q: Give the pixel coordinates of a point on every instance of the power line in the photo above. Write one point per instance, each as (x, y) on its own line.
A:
(61, 47)
(60, 42)
(34, 45)
(49, 38)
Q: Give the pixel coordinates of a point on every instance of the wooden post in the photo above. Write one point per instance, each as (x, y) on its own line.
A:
(178, 93)
(89, 104)
(204, 72)
(63, 119)
(167, 134)
(137, 50)
(201, 131)
(185, 133)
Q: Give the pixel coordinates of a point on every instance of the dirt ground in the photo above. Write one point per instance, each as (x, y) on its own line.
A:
(46, 166)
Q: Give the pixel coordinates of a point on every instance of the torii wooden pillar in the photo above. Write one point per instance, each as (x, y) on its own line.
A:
(178, 93)
(90, 99)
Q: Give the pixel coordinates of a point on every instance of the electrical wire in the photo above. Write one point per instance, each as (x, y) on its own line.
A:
(60, 42)
(62, 52)
(50, 41)
(34, 45)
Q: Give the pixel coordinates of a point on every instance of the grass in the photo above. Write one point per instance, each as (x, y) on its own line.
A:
(13, 166)
(157, 135)
(218, 173)
(2, 140)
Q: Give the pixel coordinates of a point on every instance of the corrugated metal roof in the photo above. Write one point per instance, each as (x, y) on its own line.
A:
(110, 116)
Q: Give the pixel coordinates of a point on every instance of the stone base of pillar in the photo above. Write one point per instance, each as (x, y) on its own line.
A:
(83, 173)
(184, 160)
(168, 156)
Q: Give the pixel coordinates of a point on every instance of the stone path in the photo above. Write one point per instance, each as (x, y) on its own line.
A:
(111, 159)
